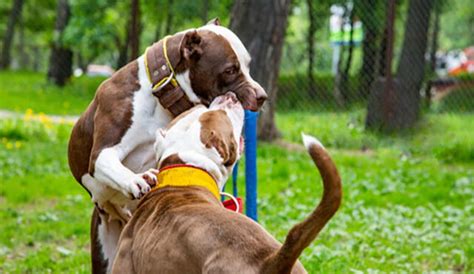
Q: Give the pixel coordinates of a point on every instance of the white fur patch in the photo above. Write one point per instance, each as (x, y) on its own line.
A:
(108, 236)
(116, 166)
(309, 140)
(185, 84)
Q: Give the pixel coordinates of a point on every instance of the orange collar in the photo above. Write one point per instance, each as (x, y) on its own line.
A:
(184, 175)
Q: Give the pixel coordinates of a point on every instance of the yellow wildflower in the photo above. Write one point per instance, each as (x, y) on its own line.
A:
(9, 145)
(28, 115)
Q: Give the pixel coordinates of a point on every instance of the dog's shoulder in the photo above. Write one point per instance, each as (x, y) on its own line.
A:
(121, 85)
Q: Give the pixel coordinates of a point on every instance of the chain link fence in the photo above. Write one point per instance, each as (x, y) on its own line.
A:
(335, 56)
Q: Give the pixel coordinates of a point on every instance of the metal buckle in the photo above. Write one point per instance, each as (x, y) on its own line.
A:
(162, 83)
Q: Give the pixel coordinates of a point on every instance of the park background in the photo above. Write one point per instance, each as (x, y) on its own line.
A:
(387, 86)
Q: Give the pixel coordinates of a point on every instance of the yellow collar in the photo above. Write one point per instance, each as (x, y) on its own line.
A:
(181, 176)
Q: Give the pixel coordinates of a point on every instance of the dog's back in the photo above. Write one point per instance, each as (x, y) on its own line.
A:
(186, 230)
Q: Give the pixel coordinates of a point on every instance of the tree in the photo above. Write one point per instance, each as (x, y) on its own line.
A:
(395, 106)
(431, 71)
(205, 11)
(60, 62)
(371, 13)
(135, 30)
(15, 14)
(96, 30)
(411, 68)
(310, 44)
(263, 36)
(318, 12)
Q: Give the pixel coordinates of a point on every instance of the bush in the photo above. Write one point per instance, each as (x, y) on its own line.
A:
(458, 100)
(295, 93)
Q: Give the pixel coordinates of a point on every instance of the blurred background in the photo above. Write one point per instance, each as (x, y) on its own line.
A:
(333, 52)
(388, 87)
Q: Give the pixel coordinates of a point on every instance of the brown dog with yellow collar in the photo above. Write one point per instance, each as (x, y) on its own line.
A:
(181, 226)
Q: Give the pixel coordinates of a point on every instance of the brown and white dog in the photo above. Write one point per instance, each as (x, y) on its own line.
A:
(111, 145)
(185, 229)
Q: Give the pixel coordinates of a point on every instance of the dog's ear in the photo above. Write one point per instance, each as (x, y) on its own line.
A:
(191, 45)
(226, 147)
(214, 21)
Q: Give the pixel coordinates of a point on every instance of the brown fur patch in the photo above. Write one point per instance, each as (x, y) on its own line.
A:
(173, 159)
(105, 121)
(217, 132)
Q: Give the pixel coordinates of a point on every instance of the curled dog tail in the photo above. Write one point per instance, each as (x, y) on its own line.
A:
(302, 234)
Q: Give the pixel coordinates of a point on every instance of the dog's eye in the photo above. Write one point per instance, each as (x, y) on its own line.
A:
(231, 71)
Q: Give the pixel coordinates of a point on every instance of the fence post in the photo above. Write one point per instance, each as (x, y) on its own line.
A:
(251, 164)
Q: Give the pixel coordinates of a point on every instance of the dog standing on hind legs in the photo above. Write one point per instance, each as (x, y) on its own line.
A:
(111, 146)
(181, 226)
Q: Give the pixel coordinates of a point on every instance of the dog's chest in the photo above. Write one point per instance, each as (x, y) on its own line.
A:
(137, 143)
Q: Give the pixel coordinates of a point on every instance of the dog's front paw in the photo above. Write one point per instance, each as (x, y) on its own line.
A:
(142, 183)
(151, 176)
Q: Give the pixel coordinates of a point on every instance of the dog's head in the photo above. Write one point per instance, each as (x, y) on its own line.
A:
(214, 62)
(209, 138)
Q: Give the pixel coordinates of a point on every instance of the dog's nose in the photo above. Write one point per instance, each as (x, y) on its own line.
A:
(261, 97)
(231, 96)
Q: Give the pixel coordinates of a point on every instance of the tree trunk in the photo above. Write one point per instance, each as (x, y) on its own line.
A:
(433, 49)
(205, 11)
(36, 64)
(135, 30)
(345, 85)
(369, 49)
(310, 46)
(123, 48)
(411, 68)
(263, 36)
(394, 105)
(60, 62)
(82, 63)
(341, 81)
(169, 18)
(382, 60)
(23, 60)
(15, 14)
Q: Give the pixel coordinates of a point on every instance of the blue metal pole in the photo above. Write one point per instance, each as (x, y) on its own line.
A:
(235, 172)
(251, 164)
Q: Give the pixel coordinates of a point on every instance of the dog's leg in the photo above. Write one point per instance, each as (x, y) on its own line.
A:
(107, 199)
(99, 263)
(110, 170)
(104, 238)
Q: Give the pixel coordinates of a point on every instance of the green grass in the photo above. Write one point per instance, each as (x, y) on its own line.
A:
(404, 209)
(408, 201)
(20, 91)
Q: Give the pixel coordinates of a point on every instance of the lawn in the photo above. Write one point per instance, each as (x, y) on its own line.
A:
(28, 90)
(408, 199)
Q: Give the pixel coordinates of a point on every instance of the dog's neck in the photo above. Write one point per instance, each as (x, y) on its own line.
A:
(176, 99)
(219, 173)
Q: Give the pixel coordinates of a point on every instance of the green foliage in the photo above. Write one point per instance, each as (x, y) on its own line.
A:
(26, 90)
(97, 28)
(458, 100)
(294, 92)
(457, 25)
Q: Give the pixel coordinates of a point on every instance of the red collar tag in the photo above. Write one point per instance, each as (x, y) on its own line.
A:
(230, 204)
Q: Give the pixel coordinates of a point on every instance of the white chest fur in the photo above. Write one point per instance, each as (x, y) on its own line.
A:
(136, 147)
